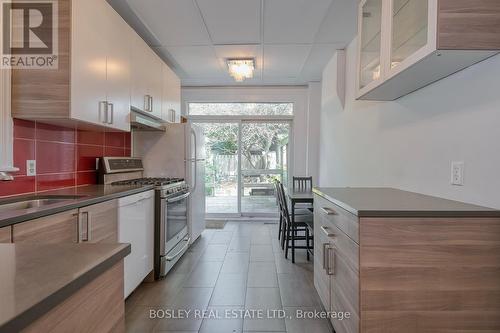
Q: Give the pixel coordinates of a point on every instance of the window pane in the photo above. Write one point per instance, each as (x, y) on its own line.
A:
(221, 167)
(263, 160)
(240, 109)
(371, 27)
(409, 28)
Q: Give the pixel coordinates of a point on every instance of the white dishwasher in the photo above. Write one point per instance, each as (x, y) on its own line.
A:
(136, 226)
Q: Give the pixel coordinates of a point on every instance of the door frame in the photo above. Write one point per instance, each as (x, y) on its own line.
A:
(240, 120)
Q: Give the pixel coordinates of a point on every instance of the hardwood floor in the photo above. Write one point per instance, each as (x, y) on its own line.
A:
(239, 268)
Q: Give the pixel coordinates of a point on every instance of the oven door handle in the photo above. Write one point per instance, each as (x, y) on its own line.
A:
(172, 257)
(182, 197)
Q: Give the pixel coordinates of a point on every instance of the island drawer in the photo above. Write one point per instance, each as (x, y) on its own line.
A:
(342, 219)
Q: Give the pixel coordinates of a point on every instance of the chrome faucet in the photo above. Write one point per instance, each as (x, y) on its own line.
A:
(5, 176)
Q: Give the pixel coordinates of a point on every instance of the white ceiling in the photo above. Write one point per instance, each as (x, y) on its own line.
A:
(291, 40)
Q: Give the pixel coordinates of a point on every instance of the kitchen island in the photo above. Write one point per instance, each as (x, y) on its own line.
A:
(398, 261)
(62, 287)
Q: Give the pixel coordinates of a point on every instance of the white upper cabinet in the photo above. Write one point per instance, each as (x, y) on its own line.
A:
(156, 83)
(89, 47)
(404, 45)
(171, 99)
(118, 71)
(146, 78)
(105, 69)
(100, 67)
(139, 98)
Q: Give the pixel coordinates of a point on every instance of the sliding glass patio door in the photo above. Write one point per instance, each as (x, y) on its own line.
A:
(243, 158)
(222, 168)
(264, 159)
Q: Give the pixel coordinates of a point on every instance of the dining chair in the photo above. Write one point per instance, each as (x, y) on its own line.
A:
(281, 200)
(302, 184)
(301, 223)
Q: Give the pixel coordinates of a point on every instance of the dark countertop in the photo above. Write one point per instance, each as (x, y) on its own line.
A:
(92, 194)
(389, 202)
(35, 278)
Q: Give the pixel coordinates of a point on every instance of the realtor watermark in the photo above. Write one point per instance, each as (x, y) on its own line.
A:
(299, 314)
(30, 36)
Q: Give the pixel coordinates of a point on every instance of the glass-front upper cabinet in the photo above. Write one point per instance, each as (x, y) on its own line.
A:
(370, 27)
(410, 21)
(404, 45)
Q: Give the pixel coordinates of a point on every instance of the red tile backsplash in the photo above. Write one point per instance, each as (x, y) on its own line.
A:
(86, 177)
(55, 181)
(86, 156)
(114, 139)
(55, 133)
(24, 129)
(65, 157)
(25, 150)
(114, 151)
(55, 157)
(19, 185)
(90, 137)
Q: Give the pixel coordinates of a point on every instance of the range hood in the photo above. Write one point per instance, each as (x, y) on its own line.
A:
(143, 121)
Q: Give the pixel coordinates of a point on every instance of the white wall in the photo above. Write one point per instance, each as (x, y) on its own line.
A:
(410, 143)
(299, 95)
(313, 129)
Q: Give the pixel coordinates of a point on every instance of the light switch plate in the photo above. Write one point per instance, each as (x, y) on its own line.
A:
(457, 173)
(30, 168)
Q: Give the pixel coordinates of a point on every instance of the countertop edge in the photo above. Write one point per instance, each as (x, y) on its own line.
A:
(409, 213)
(81, 203)
(46, 305)
(336, 202)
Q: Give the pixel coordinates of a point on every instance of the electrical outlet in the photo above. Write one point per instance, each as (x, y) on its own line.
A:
(457, 173)
(30, 168)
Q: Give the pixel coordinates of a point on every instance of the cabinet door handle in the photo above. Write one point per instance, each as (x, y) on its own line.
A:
(103, 112)
(331, 260)
(80, 227)
(111, 113)
(146, 102)
(325, 254)
(328, 211)
(327, 232)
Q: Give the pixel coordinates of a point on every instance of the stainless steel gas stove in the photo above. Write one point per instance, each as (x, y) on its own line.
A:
(171, 208)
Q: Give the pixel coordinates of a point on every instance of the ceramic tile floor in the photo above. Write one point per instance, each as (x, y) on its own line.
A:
(238, 268)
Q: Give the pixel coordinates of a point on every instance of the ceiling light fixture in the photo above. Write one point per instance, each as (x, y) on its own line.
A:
(241, 69)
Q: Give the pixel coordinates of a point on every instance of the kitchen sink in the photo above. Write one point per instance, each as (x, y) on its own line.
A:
(36, 201)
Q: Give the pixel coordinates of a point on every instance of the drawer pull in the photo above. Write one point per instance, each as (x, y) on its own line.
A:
(330, 269)
(327, 232)
(325, 250)
(329, 211)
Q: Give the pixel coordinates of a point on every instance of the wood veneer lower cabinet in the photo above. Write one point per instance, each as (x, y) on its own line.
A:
(408, 275)
(430, 275)
(97, 307)
(6, 234)
(336, 263)
(57, 228)
(99, 223)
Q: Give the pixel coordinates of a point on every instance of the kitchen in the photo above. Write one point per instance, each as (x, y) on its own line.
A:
(249, 166)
